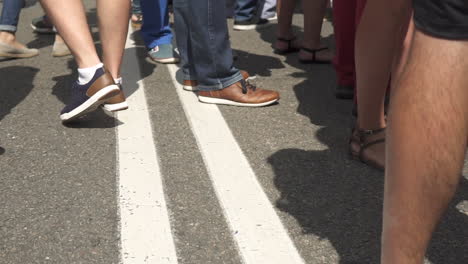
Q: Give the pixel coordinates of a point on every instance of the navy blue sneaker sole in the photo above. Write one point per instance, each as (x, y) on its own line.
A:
(92, 103)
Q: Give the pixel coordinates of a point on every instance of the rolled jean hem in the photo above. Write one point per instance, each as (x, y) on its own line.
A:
(189, 77)
(223, 84)
(8, 28)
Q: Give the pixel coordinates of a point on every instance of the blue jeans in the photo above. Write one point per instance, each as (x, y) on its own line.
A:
(155, 30)
(136, 7)
(247, 9)
(10, 15)
(203, 41)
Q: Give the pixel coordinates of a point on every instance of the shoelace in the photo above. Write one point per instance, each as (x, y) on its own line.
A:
(246, 86)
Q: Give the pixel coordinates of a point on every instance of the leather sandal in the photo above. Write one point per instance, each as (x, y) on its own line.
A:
(314, 56)
(290, 47)
(360, 138)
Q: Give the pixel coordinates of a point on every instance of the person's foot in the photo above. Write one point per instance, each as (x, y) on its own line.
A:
(368, 146)
(191, 85)
(273, 18)
(253, 23)
(42, 25)
(315, 55)
(288, 44)
(60, 49)
(116, 103)
(344, 91)
(88, 97)
(137, 21)
(11, 48)
(163, 54)
(241, 93)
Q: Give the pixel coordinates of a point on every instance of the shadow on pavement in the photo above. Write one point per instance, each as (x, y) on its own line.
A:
(16, 83)
(340, 200)
(256, 64)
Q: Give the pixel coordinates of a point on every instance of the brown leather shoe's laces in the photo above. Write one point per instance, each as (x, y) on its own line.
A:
(246, 86)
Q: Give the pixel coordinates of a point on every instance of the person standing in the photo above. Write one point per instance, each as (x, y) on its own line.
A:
(310, 48)
(203, 41)
(427, 131)
(254, 14)
(156, 32)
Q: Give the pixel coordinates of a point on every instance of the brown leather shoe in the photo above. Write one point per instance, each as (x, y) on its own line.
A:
(191, 85)
(116, 103)
(241, 93)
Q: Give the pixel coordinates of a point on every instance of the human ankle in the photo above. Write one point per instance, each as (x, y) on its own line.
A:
(370, 124)
(86, 74)
(7, 37)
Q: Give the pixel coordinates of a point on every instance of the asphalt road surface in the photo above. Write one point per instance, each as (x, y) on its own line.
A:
(172, 180)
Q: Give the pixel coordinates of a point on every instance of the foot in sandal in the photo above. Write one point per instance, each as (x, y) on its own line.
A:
(286, 45)
(368, 146)
(315, 55)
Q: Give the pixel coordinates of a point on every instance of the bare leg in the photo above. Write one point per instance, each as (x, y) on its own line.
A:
(70, 20)
(377, 37)
(401, 54)
(314, 11)
(427, 140)
(285, 10)
(113, 26)
(285, 18)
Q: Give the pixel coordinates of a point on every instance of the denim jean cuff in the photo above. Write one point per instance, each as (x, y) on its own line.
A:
(8, 28)
(222, 83)
(187, 73)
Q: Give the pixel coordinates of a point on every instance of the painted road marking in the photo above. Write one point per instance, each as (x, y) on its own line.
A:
(146, 235)
(257, 229)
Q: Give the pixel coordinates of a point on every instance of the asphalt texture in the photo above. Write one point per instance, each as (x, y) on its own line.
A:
(58, 191)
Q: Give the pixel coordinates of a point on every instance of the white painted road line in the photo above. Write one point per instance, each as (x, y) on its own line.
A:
(146, 235)
(257, 229)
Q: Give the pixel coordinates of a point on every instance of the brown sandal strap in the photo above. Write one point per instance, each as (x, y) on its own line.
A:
(363, 134)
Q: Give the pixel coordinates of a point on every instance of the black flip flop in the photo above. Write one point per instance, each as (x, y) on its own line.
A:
(314, 57)
(289, 49)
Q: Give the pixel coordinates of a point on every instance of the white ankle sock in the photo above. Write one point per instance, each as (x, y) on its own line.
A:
(118, 81)
(86, 74)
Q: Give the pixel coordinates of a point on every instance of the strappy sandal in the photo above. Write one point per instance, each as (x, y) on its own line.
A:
(360, 138)
(314, 56)
(290, 47)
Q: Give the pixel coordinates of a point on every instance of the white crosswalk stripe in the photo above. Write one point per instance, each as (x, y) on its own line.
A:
(146, 235)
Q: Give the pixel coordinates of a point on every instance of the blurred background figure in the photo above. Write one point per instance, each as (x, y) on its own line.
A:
(253, 14)
(137, 16)
(42, 25)
(156, 31)
(10, 47)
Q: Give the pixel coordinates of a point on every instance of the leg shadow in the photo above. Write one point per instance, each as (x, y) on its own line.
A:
(16, 83)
